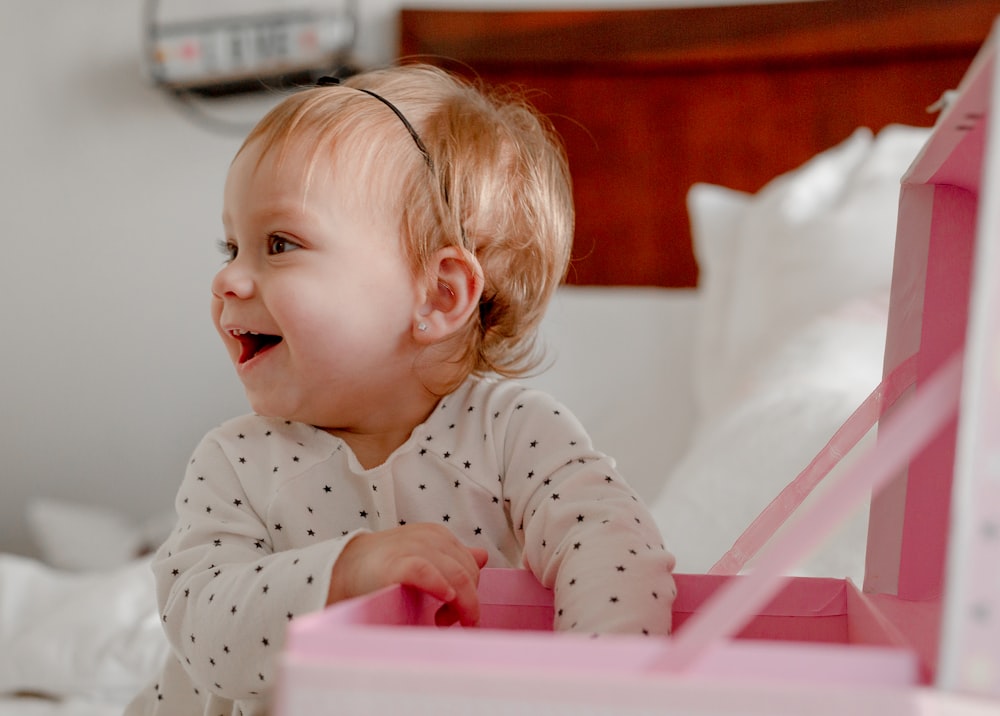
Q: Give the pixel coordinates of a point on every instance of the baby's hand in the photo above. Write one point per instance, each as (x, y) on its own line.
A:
(425, 556)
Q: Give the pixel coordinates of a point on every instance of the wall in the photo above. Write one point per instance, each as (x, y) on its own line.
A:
(110, 199)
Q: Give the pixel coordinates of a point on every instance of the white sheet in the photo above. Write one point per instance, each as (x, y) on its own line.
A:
(90, 637)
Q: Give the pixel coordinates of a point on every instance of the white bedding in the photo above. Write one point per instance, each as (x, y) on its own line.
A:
(87, 638)
(794, 303)
(711, 400)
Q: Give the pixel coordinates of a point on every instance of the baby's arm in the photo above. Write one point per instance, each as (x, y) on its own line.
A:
(586, 535)
(225, 595)
(425, 556)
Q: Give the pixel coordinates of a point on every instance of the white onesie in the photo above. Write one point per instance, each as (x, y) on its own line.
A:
(266, 506)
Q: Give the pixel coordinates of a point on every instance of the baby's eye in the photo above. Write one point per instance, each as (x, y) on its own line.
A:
(277, 244)
(227, 249)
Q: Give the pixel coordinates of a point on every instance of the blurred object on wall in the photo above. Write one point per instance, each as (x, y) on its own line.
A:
(238, 47)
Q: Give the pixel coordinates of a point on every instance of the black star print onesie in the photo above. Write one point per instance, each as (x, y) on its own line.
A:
(267, 505)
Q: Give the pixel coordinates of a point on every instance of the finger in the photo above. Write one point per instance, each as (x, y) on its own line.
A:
(446, 575)
(443, 548)
(445, 580)
(424, 574)
(480, 555)
(441, 540)
(445, 616)
(466, 602)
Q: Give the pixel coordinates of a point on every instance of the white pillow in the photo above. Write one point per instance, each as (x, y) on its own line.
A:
(810, 240)
(84, 537)
(791, 405)
(716, 214)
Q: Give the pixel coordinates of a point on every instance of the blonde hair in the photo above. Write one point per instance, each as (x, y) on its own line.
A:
(496, 183)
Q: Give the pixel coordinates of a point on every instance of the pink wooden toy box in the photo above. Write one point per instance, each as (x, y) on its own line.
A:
(922, 636)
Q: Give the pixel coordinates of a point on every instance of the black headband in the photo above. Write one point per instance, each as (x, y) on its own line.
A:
(327, 81)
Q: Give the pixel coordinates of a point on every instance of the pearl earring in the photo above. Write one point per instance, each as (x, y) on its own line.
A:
(421, 326)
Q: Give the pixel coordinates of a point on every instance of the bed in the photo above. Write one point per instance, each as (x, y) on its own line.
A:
(736, 174)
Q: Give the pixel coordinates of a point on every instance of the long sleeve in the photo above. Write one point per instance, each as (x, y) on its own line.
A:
(225, 593)
(585, 533)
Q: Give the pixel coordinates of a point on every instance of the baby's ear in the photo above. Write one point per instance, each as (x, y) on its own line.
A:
(454, 285)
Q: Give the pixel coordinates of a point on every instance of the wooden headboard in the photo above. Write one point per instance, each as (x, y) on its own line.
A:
(651, 101)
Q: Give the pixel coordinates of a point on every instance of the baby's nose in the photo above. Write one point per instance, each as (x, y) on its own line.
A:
(233, 281)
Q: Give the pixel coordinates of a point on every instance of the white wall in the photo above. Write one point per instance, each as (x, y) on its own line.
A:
(110, 201)
(109, 198)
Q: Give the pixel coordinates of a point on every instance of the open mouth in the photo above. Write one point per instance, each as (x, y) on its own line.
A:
(252, 344)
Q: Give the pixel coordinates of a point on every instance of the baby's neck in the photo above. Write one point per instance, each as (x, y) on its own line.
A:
(373, 442)
(371, 450)
(384, 429)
